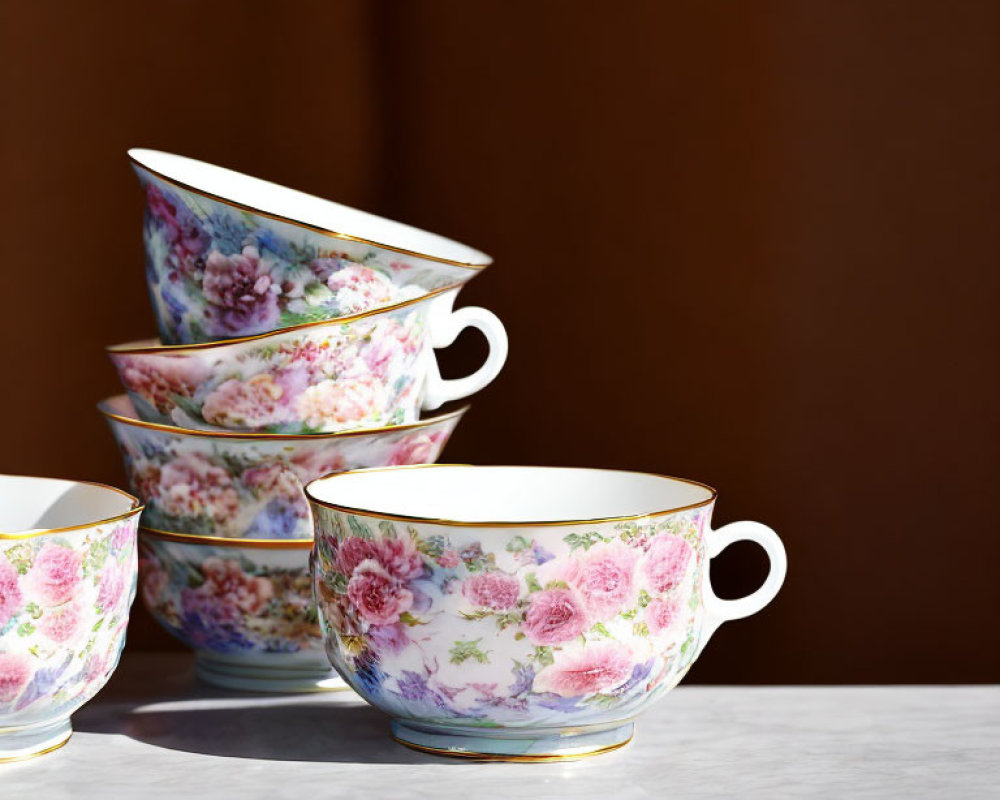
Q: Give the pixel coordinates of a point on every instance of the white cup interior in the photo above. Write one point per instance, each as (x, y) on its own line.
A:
(271, 198)
(33, 504)
(500, 495)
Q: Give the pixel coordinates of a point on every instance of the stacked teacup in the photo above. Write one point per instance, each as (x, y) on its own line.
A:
(296, 340)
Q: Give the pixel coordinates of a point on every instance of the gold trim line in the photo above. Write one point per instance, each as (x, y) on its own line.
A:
(539, 759)
(137, 507)
(26, 756)
(363, 512)
(309, 226)
(219, 541)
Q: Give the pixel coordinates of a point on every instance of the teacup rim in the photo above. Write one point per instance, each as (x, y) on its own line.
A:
(134, 422)
(224, 541)
(133, 157)
(452, 523)
(141, 347)
(137, 508)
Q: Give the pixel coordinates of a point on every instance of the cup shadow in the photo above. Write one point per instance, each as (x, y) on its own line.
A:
(190, 717)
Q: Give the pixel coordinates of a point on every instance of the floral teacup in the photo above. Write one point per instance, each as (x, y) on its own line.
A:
(236, 485)
(527, 613)
(244, 606)
(67, 580)
(369, 370)
(228, 255)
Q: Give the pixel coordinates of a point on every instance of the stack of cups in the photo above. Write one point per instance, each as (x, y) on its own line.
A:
(297, 339)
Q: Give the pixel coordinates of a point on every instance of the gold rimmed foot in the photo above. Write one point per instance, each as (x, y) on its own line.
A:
(505, 744)
(20, 744)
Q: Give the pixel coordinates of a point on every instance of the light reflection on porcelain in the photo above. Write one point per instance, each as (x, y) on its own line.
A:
(251, 486)
(512, 641)
(64, 606)
(368, 371)
(247, 611)
(218, 271)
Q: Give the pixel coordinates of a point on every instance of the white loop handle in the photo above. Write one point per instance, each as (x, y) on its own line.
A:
(444, 326)
(718, 610)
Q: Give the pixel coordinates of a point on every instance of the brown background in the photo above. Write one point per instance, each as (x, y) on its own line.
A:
(754, 244)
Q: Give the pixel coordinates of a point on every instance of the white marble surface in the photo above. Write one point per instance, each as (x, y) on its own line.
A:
(153, 732)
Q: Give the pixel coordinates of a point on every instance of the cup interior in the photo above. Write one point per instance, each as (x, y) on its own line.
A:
(271, 198)
(501, 495)
(35, 504)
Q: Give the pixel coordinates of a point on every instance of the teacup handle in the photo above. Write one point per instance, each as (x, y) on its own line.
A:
(444, 325)
(718, 610)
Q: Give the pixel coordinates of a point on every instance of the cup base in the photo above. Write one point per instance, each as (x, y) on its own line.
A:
(18, 744)
(511, 744)
(266, 678)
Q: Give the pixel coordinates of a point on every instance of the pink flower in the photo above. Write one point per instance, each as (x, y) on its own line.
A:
(10, 592)
(377, 595)
(122, 537)
(360, 288)
(226, 581)
(390, 341)
(15, 671)
(604, 578)
(493, 590)
(254, 403)
(661, 615)
(61, 624)
(242, 296)
(666, 562)
(449, 558)
(420, 448)
(352, 551)
(191, 485)
(184, 233)
(54, 576)
(110, 586)
(336, 403)
(276, 480)
(155, 581)
(555, 616)
(316, 462)
(157, 379)
(400, 557)
(96, 667)
(583, 670)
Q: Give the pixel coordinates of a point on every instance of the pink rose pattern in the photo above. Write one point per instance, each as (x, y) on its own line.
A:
(218, 273)
(316, 380)
(64, 602)
(596, 618)
(251, 488)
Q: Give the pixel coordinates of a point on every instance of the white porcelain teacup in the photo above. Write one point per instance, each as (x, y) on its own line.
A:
(229, 255)
(67, 580)
(365, 371)
(527, 613)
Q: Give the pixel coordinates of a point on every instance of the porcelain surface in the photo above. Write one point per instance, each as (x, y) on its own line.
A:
(238, 486)
(367, 371)
(246, 609)
(220, 269)
(65, 596)
(516, 639)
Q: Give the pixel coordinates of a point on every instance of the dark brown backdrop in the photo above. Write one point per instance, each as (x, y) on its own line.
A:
(754, 244)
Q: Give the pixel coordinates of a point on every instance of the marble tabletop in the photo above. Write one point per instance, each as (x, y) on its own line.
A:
(154, 732)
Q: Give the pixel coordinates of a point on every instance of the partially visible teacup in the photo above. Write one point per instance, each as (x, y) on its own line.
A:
(229, 255)
(365, 371)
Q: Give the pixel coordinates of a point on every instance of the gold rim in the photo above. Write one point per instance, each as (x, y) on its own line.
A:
(137, 507)
(540, 759)
(130, 348)
(309, 226)
(219, 541)
(26, 756)
(192, 432)
(362, 512)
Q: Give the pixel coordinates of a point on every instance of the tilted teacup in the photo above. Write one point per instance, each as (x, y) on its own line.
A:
(520, 612)
(245, 606)
(236, 485)
(67, 580)
(369, 370)
(229, 255)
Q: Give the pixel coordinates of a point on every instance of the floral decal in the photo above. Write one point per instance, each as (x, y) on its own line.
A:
(216, 272)
(64, 603)
(524, 627)
(246, 487)
(227, 600)
(362, 373)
